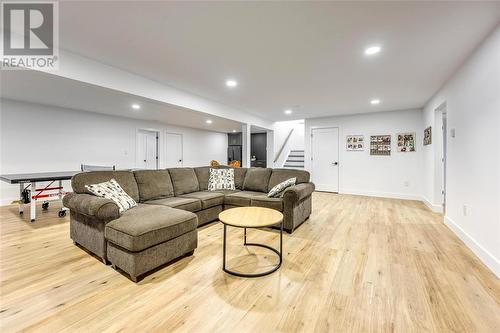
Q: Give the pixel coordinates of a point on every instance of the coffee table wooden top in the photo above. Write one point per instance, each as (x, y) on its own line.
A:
(251, 217)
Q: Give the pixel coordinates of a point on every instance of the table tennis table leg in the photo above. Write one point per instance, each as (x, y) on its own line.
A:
(21, 199)
(33, 202)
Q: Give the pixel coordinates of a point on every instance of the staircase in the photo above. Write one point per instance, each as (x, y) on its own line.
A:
(295, 160)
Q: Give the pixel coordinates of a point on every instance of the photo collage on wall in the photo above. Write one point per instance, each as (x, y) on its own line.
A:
(406, 142)
(428, 136)
(355, 143)
(380, 145)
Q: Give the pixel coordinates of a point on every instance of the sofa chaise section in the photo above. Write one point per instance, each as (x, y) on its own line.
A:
(149, 236)
(140, 239)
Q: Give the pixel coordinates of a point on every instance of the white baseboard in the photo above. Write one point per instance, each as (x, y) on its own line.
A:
(382, 194)
(431, 206)
(486, 257)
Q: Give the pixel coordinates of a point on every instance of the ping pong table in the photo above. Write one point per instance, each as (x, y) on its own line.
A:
(29, 194)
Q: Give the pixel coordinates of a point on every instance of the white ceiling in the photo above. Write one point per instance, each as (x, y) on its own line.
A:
(47, 89)
(306, 55)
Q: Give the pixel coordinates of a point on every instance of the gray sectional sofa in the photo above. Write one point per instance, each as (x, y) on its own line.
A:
(172, 203)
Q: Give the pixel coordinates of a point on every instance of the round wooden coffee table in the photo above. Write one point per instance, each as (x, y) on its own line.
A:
(251, 217)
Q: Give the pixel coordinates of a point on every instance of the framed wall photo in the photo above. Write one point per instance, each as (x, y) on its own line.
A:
(428, 136)
(406, 142)
(355, 143)
(380, 145)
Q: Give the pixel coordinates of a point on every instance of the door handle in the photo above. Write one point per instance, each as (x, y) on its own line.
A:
(180, 160)
(144, 160)
(335, 163)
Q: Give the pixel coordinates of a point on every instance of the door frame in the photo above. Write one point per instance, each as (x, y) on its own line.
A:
(338, 150)
(441, 113)
(158, 145)
(167, 132)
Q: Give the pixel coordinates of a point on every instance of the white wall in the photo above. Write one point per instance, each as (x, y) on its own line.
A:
(37, 138)
(361, 173)
(472, 98)
(296, 141)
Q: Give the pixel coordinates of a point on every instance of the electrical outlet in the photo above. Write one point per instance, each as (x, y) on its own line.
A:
(465, 210)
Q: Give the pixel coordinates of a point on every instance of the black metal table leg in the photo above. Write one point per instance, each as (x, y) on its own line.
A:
(224, 250)
(275, 268)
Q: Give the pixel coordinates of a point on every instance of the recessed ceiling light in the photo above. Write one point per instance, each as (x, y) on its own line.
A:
(234, 131)
(136, 106)
(373, 50)
(208, 121)
(375, 101)
(231, 83)
(288, 111)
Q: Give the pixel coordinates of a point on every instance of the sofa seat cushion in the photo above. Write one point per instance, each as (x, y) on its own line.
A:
(189, 204)
(265, 201)
(226, 192)
(242, 198)
(208, 198)
(147, 225)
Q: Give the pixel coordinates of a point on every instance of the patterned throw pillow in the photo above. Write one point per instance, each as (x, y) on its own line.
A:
(279, 190)
(221, 179)
(112, 190)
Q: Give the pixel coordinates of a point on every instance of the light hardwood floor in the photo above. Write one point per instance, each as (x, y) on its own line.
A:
(358, 265)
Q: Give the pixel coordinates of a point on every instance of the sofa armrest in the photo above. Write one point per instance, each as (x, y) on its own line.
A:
(90, 205)
(298, 192)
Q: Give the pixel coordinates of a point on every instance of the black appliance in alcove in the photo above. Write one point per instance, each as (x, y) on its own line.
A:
(234, 149)
(233, 153)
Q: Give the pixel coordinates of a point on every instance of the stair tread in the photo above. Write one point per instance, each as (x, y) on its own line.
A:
(295, 159)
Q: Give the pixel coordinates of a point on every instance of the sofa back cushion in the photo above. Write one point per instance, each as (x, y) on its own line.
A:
(203, 173)
(126, 180)
(280, 175)
(154, 184)
(257, 179)
(184, 180)
(239, 177)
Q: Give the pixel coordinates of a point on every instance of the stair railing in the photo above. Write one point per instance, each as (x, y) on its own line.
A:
(276, 158)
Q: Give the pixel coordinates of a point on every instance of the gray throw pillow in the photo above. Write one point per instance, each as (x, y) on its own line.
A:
(279, 190)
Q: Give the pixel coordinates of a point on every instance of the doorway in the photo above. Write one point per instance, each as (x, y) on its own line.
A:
(174, 150)
(147, 149)
(325, 158)
(258, 150)
(258, 147)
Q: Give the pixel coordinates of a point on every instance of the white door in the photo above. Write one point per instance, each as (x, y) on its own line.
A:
(325, 159)
(147, 149)
(174, 150)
